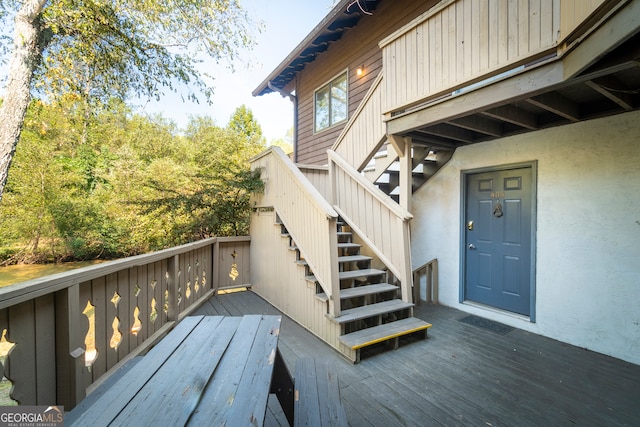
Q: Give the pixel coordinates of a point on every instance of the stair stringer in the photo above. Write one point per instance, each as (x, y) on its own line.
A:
(309, 218)
(283, 283)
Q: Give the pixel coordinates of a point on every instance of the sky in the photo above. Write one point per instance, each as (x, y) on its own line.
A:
(286, 23)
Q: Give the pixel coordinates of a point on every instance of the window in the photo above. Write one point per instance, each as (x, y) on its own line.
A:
(331, 103)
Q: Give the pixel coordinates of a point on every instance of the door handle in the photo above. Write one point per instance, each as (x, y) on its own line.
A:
(472, 246)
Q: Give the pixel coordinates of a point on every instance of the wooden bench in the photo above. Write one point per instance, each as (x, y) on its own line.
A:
(317, 395)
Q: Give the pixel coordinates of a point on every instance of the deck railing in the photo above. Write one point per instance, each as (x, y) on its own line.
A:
(71, 328)
(365, 132)
(308, 217)
(380, 222)
(461, 42)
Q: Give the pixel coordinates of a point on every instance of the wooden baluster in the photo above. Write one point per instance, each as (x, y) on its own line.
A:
(125, 309)
(34, 351)
(112, 298)
(21, 360)
(181, 282)
(88, 337)
(4, 325)
(70, 333)
(173, 271)
(215, 266)
(102, 326)
(143, 302)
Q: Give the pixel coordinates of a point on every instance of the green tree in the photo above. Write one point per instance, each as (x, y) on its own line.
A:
(210, 197)
(244, 123)
(52, 209)
(126, 184)
(99, 50)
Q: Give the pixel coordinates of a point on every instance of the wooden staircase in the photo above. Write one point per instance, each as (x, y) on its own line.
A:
(384, 168)
(371, 311)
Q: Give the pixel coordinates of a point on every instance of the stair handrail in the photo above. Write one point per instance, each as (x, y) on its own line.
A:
(310, 220)
(378, 220)
(365, 132)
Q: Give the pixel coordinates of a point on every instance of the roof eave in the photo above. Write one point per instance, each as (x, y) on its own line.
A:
(326, 22)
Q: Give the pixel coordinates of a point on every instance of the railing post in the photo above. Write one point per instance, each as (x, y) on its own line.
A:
(333, 190)
(406, 174)
(70, 369)
(215, 266)
(334, 301)
(173, 269)
(407, 276)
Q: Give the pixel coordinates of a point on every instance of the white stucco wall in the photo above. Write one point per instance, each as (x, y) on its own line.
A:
(588, 230)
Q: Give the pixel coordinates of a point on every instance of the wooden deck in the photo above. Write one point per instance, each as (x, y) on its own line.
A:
(463, 375)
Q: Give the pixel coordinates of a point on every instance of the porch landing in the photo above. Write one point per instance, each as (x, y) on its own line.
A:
(462, 375)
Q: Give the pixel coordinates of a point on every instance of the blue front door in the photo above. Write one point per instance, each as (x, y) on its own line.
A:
(498, 221)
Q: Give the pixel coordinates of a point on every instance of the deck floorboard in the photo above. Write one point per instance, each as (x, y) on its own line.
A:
(462, 375)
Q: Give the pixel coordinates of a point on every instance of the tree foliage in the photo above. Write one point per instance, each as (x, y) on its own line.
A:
(97, 50)
(124, 185)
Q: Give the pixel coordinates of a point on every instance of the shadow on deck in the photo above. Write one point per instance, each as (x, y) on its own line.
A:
(463, 375)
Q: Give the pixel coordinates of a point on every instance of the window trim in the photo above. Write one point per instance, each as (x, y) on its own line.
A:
(326, 84)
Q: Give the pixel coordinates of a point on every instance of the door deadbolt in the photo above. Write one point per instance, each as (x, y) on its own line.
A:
(470, 226)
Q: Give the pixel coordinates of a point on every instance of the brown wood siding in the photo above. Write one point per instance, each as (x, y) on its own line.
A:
(358, 46)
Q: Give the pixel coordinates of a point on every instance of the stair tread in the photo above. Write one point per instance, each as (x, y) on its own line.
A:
(352, 274)
(376, 334)
(366, 272)
(360, 291)
(371, 310)
(343, 259)
(352, 258)
(349, 245)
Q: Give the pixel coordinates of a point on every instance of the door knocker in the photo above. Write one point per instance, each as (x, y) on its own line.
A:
(497, 210)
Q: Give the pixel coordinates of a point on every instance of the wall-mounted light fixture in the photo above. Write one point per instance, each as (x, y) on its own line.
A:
(360, 71)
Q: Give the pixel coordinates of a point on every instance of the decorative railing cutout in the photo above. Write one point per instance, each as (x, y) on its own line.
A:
(233, 274)
(153, 315)
(116, 337)
(91, 352)
(137, 324)
(116, 299)
(6, 384)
